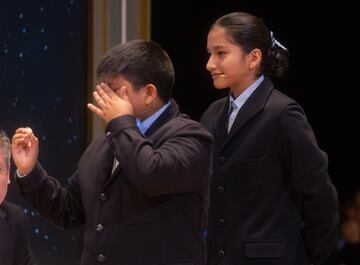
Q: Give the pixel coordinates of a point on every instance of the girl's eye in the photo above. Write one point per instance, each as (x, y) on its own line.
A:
(221, 53)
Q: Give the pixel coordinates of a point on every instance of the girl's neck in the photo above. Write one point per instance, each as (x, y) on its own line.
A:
(241, 87)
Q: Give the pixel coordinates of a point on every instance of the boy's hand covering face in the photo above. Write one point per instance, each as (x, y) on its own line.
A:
(109, 104)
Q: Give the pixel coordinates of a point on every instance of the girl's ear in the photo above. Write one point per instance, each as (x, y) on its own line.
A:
(255, 59)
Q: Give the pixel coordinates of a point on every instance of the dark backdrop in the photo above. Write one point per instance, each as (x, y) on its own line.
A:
(321, 43)
(42, 85)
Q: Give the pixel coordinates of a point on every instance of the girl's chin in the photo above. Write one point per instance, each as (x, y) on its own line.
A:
(219, 86)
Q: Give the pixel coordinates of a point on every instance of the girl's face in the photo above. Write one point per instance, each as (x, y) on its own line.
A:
(228, 64)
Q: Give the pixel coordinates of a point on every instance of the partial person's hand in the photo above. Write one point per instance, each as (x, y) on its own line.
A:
(110, 105)
(25, 150)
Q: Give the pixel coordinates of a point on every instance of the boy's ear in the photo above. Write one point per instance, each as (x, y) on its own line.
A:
(150, 93)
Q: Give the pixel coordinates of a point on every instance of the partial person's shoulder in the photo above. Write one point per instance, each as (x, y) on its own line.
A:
(10, 207)
(13, 212)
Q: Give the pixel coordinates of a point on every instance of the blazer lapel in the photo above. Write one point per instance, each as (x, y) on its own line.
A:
(171, 112)
(220, 126)
(106, 161)
(252, 106)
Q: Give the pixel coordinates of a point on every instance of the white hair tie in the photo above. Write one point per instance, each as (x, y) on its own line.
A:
(276, 42)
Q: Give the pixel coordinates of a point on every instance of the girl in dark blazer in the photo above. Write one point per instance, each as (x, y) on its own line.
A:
(272, 201)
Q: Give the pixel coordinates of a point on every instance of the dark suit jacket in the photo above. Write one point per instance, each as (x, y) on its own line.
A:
(14, 236)
(272, 201)
(152, 209)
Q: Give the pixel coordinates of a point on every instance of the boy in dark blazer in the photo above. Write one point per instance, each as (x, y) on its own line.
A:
(14, 226)
(141, 188)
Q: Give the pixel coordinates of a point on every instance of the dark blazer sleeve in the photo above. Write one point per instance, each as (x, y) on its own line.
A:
(60, 205)
(179, 164)
(307, 166)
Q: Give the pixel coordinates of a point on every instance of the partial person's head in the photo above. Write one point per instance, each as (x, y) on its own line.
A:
(241, 49)
(144, 68)
(5, 155)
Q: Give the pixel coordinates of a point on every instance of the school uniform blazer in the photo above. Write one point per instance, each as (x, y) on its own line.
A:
(152, 209)
(272, 201)
(14, 236)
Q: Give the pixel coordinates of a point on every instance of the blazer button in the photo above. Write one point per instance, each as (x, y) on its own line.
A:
(221, 222)
(101, 258)
(221, 253)
(108, 134)
(220, 189)
(222, 159)
(103, 197)
(100, 228)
